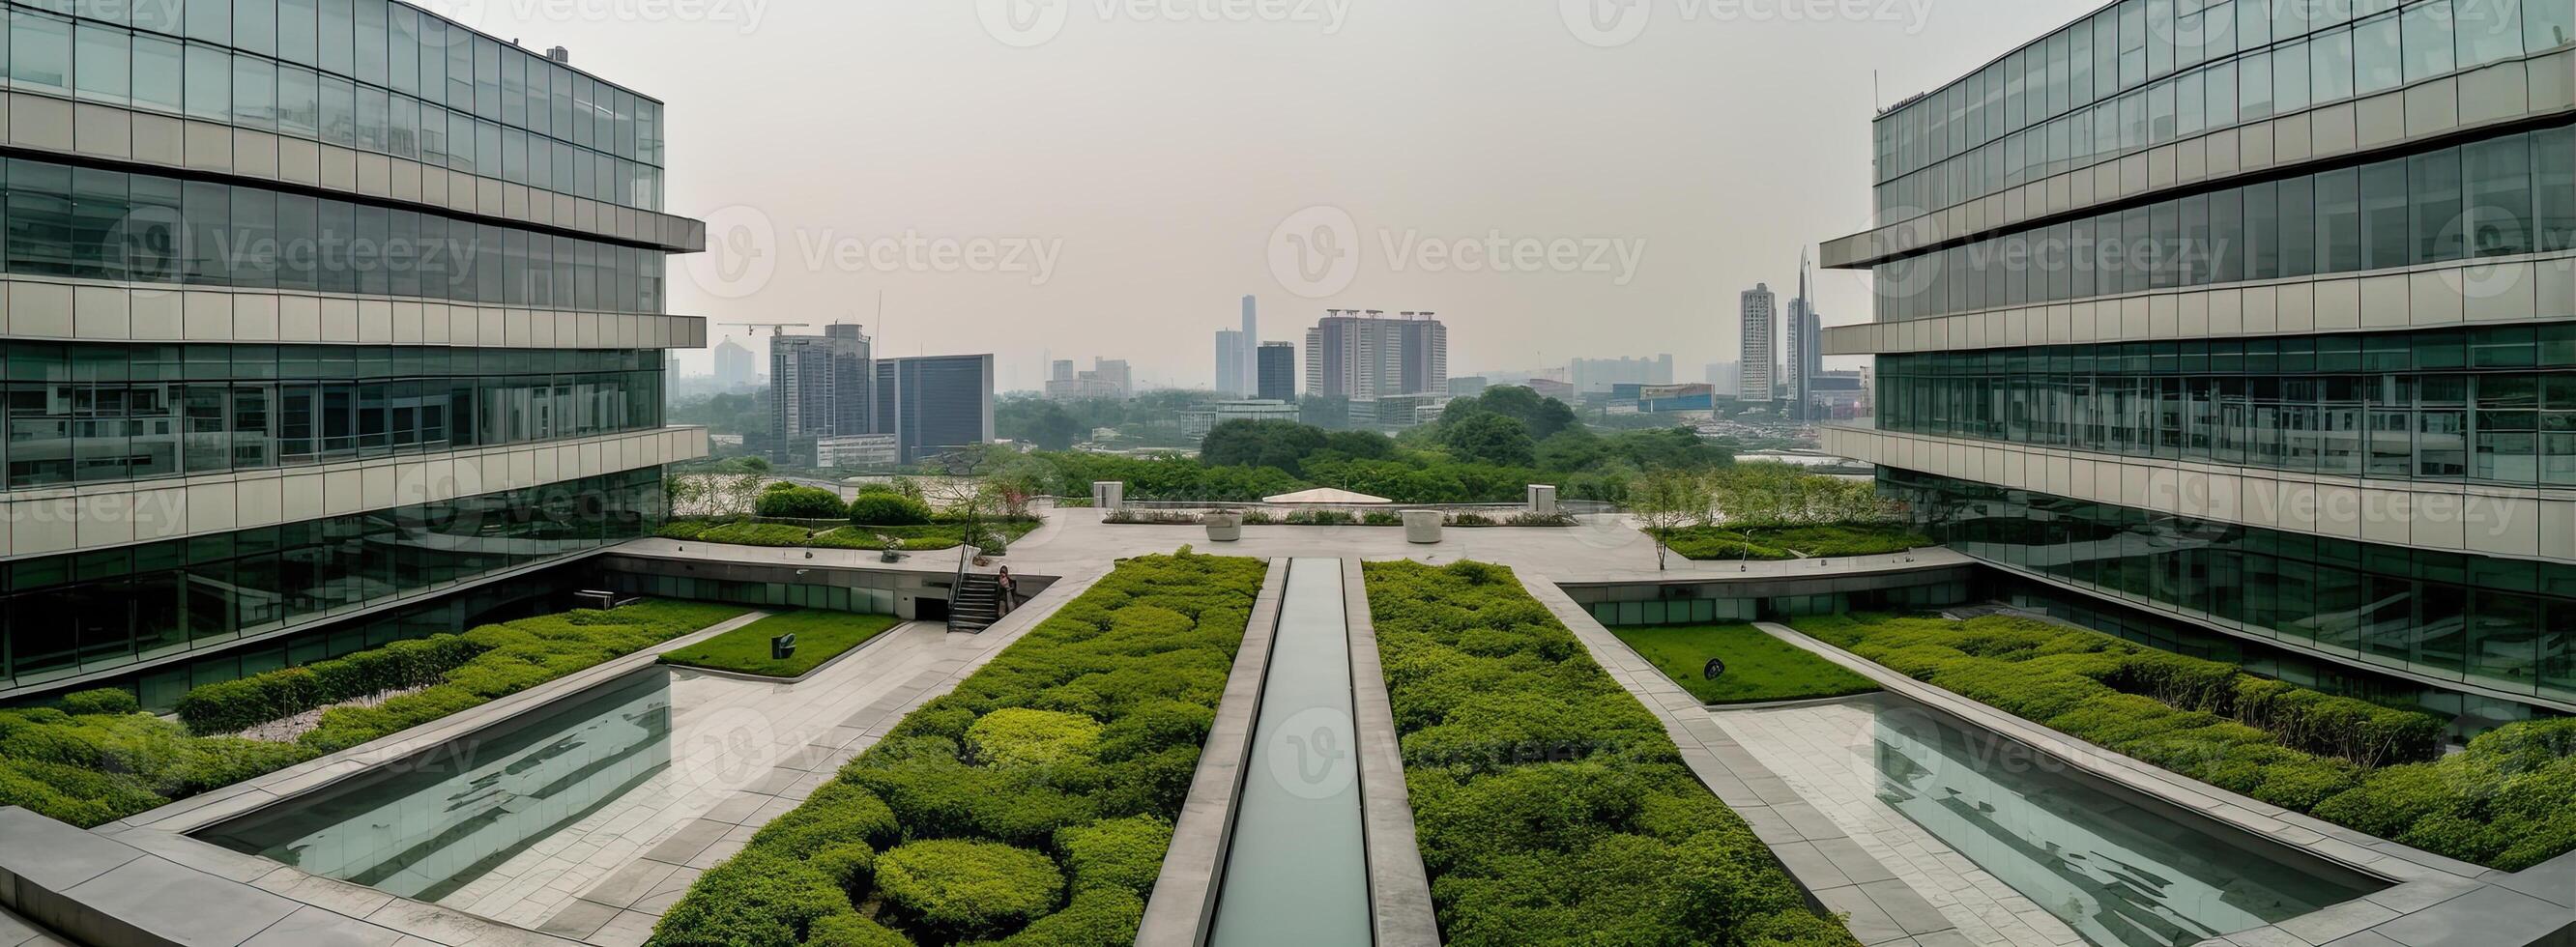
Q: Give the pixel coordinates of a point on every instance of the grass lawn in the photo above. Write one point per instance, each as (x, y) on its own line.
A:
(1758, 667)
(821, 635)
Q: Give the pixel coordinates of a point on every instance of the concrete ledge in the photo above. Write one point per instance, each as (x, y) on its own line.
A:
(1399, 886)
(16, 931)
(1183, 905)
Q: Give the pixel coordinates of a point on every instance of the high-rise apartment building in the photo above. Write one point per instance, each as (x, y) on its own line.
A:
(736, 367)
(1759, 355)
(934, 404)
(819, 386)
(1276, 372)
(1230, 378)
(1107, 378)
(2272, 361)
(1366, 355)
(438, 379)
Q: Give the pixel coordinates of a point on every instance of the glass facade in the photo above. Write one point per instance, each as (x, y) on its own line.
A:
(83, 412)
(2490, 405)
(2504, 624)
(96, 223)
(2500, 196)
(81, 613)
(2142, 73)
(371, 75)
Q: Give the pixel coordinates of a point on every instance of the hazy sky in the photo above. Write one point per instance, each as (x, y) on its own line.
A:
(1080, 177)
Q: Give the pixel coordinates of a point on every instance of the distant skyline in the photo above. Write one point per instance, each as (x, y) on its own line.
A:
(1116, 185)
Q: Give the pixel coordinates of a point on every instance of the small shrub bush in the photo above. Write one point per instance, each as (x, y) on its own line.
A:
(104, 700)
(1071, 751)
(788, 501)
(1549, 806)
(888, 508)
(963, 888)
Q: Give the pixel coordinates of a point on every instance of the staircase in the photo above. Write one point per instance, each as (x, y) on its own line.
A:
(975, 603)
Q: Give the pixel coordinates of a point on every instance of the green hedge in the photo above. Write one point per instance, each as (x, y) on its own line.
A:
(1793, 541)
(936, 536)
(2508, 802)
(1071, 752)
(1549, 806)
(888, 509)
(804, 503)
(96, 760)
(235, 705)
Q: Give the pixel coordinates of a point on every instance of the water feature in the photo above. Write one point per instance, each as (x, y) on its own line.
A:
(423, 826)
(2116, 867)
(1296, 872)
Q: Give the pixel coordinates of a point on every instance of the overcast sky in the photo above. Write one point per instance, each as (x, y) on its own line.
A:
(1074, 178)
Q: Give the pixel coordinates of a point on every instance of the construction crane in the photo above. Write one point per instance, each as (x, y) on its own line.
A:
(775, 328)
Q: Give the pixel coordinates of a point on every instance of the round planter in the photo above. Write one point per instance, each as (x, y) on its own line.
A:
(1223, 527)
(1422, 526)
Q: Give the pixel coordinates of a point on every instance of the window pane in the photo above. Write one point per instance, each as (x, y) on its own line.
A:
(210, 83)
(299, 31)
(210, 21)
(2428, 39)
(2386, 240)
(40, 52)
(105, 65)
(2553, 165)
(254, 92)
(2254, 87)
(339, 36)
(2489, 30)
(2290, 77)
(255, 25)
(2497, 174)
(2339, 221)
(299, 101)
(2440, 232)
(2377, 67)
(2298, 226)
(2547, 24)
(2330, 65)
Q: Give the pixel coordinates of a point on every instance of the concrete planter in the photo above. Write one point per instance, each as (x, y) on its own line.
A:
(1422, 526)
(1223, 527)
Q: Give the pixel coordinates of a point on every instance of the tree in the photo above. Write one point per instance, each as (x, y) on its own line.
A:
(1571, 450)
(1038, 421)
(1281, 444)
(1331, 414)
(1490, 438)
(1667, 500)
(1360, 445)
(1542, 415)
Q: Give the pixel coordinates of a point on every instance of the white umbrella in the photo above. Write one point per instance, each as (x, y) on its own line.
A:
(1325, 496)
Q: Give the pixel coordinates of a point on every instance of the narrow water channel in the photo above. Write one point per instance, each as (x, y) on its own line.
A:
(1296, 871)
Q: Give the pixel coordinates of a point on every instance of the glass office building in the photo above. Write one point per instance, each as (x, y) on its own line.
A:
(322, 322)
(2249, 328)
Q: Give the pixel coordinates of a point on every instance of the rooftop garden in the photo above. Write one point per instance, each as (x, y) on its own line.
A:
(96, 758)
(1550, 807)
(1032, 805)
(2508, 802)
(821, 635)
(1766, 511)
(1759, 667)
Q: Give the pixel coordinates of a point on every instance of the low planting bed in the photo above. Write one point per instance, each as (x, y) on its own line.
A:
(97, 759)
(2508, 802)
(925, 538)
(820, 636)
(1793, 541)
(1032, 805)
(1550, 807)
(1759, 667)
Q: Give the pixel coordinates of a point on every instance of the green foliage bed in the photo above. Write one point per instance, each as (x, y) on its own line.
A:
(2508, 802)
(97, 760)
(821, 635)
(1758, 667)
(929, 538)
(1793, 541)
(1549, 805)
(1031, 806)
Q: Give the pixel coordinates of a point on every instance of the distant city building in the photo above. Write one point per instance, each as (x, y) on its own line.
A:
(1467, 386)
(1107, 378)
(1659, 399)
(1196, 422)
(857, 450)
(736, 367)
(1551, 388)
(1230, 378)
(1806, 347)
(933, 404)
(1365, 355)
(1275, 371)
(1249, 350)
(1397, 412)
(1593, 376)
(819, 386)
(1727, 377)
(1760, 352)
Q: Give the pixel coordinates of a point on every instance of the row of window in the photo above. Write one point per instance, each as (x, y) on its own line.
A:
(100, 610)
(94, 223)
(100, 63)
(2133, 77)
(2500, 623)
(88, 413)
(2489, 406)
(2496, 197)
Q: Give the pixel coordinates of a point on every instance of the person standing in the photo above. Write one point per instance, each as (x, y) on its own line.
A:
(1010, 594)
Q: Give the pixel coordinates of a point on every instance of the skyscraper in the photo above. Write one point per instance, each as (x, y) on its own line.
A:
(1806, 352)
(934, 404)
(2292, 404)
(819, 386)
(1230, 379)
(1278, 372)
(1364, 355)
(736, 367)
(1251, 347)
(1759, 356)
(206, 513)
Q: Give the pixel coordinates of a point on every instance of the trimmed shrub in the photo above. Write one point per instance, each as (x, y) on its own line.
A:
(1116, 853)
(888, 508)
(964, 888)
(758, 898)
(787, 501)
(851, 930)
(1100, 917)
(104, 700)
(1019, 736)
